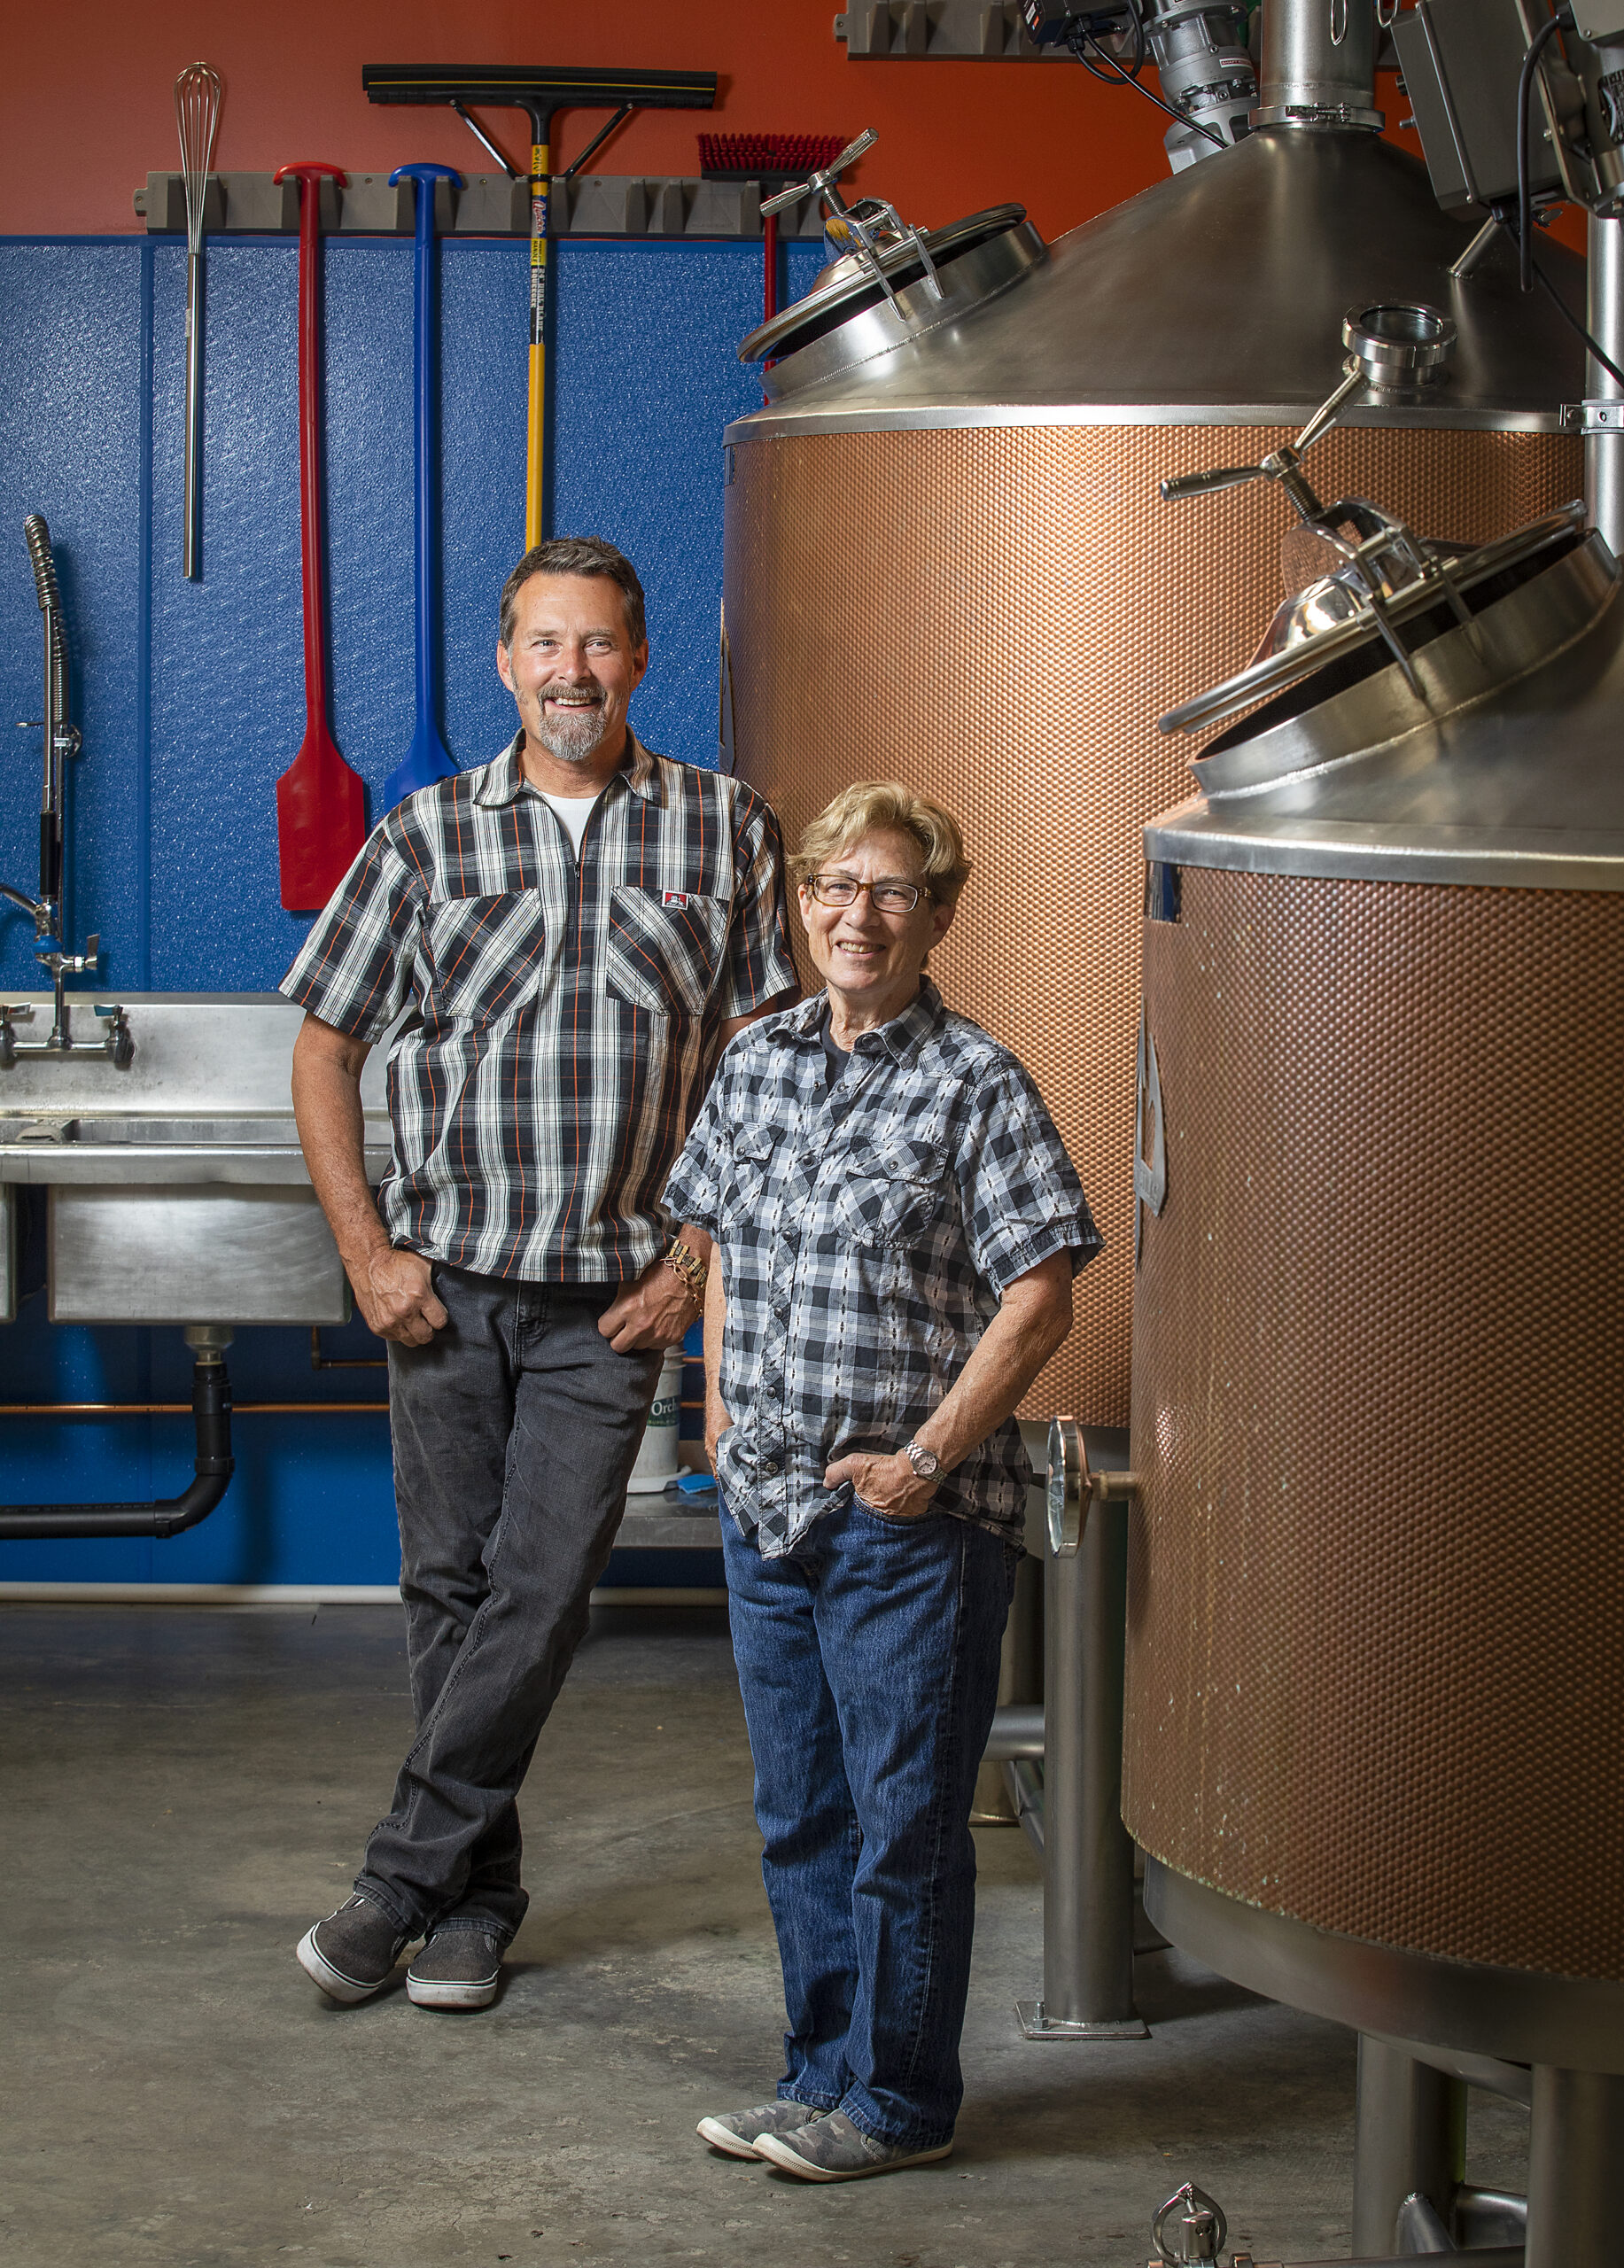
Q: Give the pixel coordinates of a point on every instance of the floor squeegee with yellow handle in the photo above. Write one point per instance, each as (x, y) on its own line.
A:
(539, 93)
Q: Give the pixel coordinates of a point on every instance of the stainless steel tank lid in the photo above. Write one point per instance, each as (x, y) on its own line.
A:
(1503, 770)
(1460, 571)
(1207, 300)
(847, 286)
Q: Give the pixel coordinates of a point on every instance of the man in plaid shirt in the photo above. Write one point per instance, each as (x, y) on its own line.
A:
(571, 936)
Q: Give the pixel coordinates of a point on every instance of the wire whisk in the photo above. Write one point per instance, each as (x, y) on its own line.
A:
(196, 116)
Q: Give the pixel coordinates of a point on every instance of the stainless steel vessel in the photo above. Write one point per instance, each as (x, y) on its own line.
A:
(946, 560)
(1375, 1680)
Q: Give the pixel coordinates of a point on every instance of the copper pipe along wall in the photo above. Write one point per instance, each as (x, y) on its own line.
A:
(182, 1408)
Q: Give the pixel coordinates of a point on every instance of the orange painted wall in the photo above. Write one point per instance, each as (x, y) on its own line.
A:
(86, 107)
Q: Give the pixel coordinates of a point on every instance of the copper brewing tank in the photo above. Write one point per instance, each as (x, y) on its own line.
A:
(1375, 1682)
(946, 560)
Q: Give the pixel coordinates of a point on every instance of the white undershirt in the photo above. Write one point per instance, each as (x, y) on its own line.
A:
(574, 810)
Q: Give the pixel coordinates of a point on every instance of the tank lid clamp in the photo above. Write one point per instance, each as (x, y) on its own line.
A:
(871, 228)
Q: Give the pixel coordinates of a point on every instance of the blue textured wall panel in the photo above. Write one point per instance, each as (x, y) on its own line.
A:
(69, 350)
(645, 376)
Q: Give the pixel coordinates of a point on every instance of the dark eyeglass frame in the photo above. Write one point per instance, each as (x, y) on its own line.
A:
(817, 884)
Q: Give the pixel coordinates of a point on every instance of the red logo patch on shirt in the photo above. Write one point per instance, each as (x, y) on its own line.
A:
(675, 897)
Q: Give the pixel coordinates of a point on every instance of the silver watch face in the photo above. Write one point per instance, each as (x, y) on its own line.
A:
(924, 1462)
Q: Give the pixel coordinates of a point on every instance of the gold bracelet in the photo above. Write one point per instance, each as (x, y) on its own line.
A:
(689, 1265)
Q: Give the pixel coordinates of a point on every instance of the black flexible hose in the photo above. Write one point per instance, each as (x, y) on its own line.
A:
(1560, 304)
(211, 1410)
(1562, 21)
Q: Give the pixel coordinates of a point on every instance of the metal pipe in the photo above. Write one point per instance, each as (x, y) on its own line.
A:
(1421, 2228)
(1489, 2217)
(1604, 444)
(1475, 251)
(1088, 1853)
(1576, 2145)
(1017, 1731)
(1409, 2140)
(211, 1406)
(1318, 65)
(1025, 1781)
(1514, 2081)
(1489, 2255)
(320, 1362)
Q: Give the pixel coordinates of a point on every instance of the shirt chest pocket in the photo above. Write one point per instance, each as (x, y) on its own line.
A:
(752, 1163)
(486, 953)
(663, 951)
(893, 1192)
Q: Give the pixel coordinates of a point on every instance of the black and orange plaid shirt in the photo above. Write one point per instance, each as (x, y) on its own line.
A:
(560, 1019)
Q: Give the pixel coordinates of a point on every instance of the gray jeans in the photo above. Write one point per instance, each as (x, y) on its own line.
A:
(515, 1433)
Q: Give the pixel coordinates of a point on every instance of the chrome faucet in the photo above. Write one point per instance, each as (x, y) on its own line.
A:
(62, 740)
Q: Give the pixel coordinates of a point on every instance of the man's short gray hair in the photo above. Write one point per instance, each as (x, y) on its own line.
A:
(574, 554)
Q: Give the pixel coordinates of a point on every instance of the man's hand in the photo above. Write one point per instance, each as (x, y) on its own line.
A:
(395, 1294)
(886, 1484)
(654, 1311)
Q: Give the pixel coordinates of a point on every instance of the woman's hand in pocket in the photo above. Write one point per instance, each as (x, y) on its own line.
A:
(716, 1424)
(886, 1485)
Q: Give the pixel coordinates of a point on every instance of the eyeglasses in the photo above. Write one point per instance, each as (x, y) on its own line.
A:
(887, 897)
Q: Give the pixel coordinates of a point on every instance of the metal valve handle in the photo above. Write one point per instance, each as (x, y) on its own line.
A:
(824, 178)
(1397, 343)
(1201, 2229)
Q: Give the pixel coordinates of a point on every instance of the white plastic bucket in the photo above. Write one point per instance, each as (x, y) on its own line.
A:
(657, 1459)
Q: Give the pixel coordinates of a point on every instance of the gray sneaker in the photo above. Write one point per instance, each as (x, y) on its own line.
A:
(833, 2149)
(737, 2134)
(457, 1968)
(353, 1951)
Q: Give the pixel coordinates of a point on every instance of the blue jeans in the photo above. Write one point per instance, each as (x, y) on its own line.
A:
(515, 1433)
(868, 1660)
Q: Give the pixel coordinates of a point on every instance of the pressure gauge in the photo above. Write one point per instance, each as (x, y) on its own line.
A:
(1068, 1490)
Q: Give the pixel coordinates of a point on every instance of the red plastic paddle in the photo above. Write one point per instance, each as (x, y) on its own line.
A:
(321, 803)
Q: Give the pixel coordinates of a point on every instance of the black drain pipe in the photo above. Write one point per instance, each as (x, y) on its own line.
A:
(211, 1408)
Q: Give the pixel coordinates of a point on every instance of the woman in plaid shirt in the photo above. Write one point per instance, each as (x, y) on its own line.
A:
(896, 1226)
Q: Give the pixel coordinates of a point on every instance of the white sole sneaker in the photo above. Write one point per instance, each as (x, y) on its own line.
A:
(732, 2145)
(778, 2153)
(723, 2133)
(450, 1992)
(332, 1981)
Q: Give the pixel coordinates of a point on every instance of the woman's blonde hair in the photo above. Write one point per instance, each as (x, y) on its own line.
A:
(868, 804)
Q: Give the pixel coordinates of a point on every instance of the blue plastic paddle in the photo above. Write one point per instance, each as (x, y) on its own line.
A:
(428, 759)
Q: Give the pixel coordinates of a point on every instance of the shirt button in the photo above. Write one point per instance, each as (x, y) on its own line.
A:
(771, 1468)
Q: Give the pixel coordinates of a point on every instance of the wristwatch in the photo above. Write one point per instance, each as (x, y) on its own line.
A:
(924, 1462)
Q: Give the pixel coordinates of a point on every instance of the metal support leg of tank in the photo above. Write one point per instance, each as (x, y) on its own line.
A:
(1603, 426)
(1575, 2148)
(1087, 1852)
(996, 1802)
(1410, 2140)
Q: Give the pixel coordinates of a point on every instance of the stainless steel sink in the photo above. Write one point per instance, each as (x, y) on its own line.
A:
(177, 1191)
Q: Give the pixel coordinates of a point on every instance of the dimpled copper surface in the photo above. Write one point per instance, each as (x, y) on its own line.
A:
(998, 616)
(1376, 1629)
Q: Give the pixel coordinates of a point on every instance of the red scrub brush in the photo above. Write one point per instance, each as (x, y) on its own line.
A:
(774, 160)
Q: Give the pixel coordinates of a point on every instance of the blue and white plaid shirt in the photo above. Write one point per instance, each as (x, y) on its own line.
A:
(865, 1234)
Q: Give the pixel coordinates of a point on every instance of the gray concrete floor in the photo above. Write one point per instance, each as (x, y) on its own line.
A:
(185, 1789)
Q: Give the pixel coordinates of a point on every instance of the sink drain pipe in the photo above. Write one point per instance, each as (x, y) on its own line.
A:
(211, 1408)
